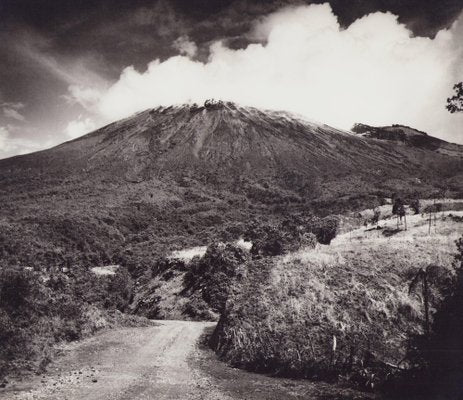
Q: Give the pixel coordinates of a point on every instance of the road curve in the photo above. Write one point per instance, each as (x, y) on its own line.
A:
(127, 364)
(161, 362)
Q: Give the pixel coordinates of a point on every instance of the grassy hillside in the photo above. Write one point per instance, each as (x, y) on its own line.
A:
(339, 309)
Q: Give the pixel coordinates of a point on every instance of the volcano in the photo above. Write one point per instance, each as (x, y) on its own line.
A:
(174, 176)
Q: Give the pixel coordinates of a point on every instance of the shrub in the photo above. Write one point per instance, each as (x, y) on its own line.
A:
(326, 229)
(271, 241)
(119, 290)
(38, 309)
(17, 286)
(289, 235)
(211, 275)
(197, 308)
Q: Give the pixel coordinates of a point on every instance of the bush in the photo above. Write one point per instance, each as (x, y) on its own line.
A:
(271, 241)
(290, 235)
(119, 290)
(22, 304)
(17, 287)
(326, 229)
(38, 309)
(212, 274)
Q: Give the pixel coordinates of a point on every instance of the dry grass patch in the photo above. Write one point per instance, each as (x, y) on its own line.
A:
(343, 308)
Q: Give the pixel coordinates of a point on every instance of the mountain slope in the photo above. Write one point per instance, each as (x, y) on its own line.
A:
(171, 177)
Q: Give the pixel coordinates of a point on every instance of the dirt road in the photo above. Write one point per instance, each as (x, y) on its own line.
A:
(137, 363)
(163, 362)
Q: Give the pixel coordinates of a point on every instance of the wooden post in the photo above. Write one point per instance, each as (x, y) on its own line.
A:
(405, 221)
(333, 350)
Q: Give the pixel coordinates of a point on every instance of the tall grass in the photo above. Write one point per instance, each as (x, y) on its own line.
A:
(339, 309)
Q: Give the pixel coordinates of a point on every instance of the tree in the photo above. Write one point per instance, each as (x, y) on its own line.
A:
(455, 103)
(432, 211)
(415, 205)
(376, 216)
(399, 210)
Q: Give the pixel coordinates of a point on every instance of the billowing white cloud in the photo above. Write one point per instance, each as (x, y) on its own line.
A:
(85, 96)
(373, 72)
(79, 127)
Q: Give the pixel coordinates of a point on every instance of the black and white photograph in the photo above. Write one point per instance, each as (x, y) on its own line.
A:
(231, 199)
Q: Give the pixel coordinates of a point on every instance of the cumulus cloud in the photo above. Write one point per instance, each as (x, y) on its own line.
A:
(85, 96)
(79, 127)
(185, 46)
(374, 72)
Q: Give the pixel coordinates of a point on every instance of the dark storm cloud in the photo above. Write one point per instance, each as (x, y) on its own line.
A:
(121, 32)
(115, 33)
(426, 16)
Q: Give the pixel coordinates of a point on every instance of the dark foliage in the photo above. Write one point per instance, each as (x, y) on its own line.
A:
(211, 275)
(455, 103)
(437, 357)
(398, 207)
(415, 206)
(433, 208)
(325, 229)
(271, 240)
(292, 233)
(39, 309)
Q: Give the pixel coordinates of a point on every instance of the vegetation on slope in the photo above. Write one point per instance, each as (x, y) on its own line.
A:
(198, 288)
(343, 310)
(175, 177)
(436, 356)
(40, 309)
(211, 276)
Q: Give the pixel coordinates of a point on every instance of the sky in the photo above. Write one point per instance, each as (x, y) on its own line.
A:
(68, 67)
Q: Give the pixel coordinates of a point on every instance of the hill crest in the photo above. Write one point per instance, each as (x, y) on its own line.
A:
(402, 134)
